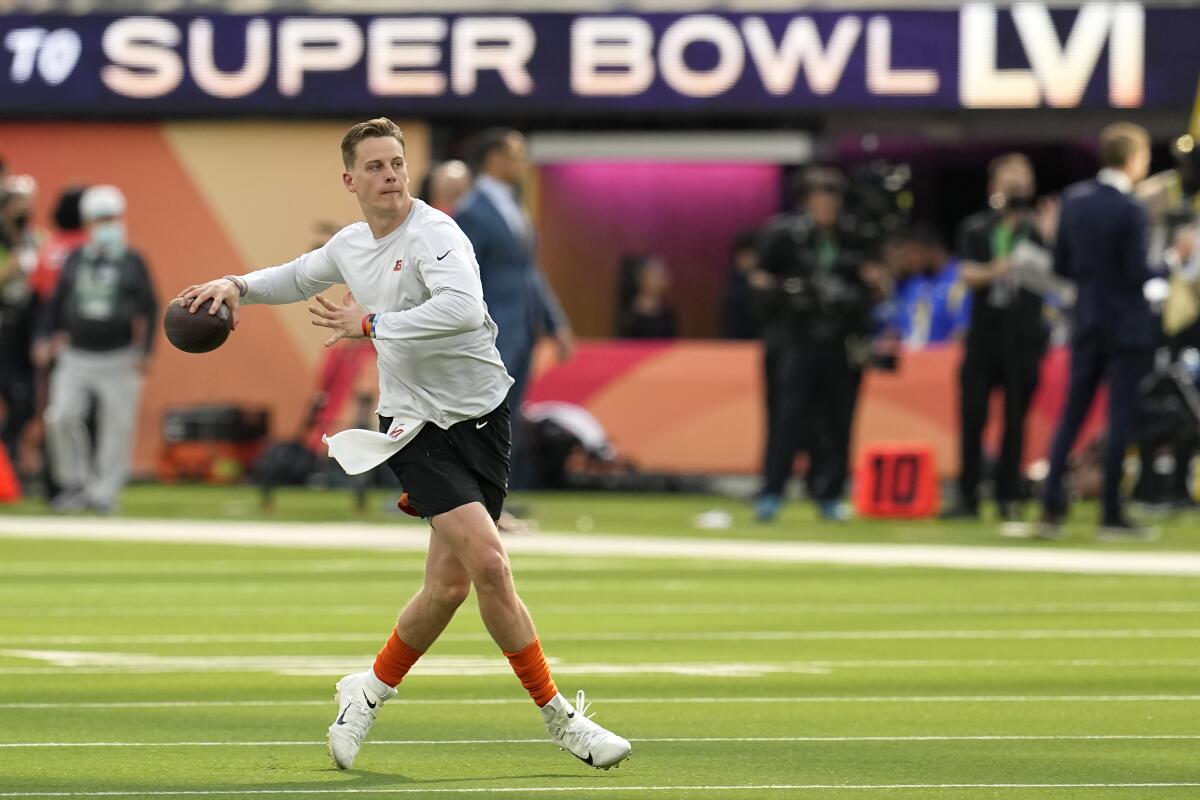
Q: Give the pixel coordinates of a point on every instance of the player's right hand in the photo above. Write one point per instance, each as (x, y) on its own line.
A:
(221, 290)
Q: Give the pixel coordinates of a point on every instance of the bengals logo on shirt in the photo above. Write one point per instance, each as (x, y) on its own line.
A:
(399, 265)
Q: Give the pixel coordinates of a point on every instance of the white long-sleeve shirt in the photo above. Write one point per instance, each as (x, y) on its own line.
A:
(435, 342)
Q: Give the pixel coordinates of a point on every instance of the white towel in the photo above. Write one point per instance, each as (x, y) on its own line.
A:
(358, 450)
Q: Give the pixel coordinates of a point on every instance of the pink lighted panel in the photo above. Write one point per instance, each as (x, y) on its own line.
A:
(589, 214)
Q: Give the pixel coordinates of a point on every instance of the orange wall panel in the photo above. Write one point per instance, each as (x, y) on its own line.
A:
(697, 407)
(181, 238)
(204, 200)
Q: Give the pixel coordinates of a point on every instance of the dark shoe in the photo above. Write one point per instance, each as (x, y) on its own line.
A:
(767, 507)
(104, 509)
(833, 510)
(1186, 502)
(1050, 527)
(960, 511)
(69, 501)
(1153, 510)
(1123, 529)
(1010, 511)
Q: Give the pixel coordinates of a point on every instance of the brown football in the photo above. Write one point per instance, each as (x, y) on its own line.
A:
(199, 332)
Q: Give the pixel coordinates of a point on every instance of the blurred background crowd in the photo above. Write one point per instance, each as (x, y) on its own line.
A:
(679, 293)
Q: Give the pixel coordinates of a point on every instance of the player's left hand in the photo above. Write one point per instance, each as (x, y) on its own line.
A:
(344, 320)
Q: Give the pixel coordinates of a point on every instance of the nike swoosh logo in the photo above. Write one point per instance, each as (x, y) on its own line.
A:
(443, 255)
(341, 720)
(587, 760)
(369, 703)
(479, 425)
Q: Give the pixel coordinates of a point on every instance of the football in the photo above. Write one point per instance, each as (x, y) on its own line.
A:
(199, 332)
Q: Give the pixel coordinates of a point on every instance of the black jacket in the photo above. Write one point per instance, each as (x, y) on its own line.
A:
(97, 300)
(813, 302)
(1102, 246)
(1021, 323)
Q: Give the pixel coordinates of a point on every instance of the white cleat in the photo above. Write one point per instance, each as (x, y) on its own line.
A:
(578, 735)
(358, 705)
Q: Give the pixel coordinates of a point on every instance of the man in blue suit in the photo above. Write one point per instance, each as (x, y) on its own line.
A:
(1102, 246)
(517, 295)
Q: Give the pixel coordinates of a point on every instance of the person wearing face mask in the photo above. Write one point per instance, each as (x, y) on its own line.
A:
(1007, 334)
(18, 256)
(99, 323)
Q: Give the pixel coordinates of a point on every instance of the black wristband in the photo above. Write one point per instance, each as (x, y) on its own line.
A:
(242, 286)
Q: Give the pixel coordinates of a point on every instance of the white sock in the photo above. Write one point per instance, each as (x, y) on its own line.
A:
(377, 686)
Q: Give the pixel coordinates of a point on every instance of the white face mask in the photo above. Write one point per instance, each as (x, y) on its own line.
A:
(109, 236)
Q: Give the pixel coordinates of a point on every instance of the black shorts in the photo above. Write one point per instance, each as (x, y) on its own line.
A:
(468, 463)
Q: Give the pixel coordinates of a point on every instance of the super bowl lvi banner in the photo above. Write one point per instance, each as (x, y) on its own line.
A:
(1117, 55)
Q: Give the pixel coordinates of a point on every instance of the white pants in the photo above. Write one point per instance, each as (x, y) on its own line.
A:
(113, 379)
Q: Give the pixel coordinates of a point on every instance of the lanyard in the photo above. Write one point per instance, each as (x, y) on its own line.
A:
(1004, 240)
(827, 253)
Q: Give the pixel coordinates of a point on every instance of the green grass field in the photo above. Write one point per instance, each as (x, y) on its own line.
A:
(146, 669)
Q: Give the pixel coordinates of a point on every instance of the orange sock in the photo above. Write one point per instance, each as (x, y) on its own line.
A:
(394, 661)
(530, 665)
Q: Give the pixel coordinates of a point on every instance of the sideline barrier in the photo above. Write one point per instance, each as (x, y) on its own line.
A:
(696, 407)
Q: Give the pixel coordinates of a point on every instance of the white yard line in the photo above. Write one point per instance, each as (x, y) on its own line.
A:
(166, 569)
(681, 609)
(616, 636)
(516, 701)
(770, 787)
(87, 661)
(61, 662)
(663, 739)
(408, 538)
(338, 566)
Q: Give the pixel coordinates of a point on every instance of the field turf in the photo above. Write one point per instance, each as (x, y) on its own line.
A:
(162, 670)
(610, 513)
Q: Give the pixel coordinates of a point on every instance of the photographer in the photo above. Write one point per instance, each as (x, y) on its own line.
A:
(816, 307)
(1003, 256)
(1172, 201)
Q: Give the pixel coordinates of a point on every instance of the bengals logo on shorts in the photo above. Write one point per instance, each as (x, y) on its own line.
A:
(407, 507)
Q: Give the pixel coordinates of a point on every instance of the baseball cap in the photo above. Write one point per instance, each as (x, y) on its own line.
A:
(101, 201)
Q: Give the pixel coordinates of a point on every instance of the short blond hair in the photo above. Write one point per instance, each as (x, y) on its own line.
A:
(378, 128)
(1121, 140)
(1006, 161)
